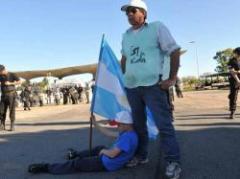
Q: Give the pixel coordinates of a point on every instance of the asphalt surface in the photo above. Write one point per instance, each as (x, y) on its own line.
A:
(209, 144)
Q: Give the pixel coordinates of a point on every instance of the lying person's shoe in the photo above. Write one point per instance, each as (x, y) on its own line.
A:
(173, 170)
(136, 161)
(71, 154)
(38, 168)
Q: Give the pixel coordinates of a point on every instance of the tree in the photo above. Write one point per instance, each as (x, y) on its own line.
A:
(222, 58)
(44, 83)
(190, 81)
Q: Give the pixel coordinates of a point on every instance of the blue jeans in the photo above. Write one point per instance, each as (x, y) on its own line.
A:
(157, 101)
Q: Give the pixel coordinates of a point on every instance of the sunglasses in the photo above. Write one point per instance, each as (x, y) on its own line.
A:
(131, 10)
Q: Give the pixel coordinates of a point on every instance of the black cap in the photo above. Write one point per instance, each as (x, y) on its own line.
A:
(237, 51)
(2, 67)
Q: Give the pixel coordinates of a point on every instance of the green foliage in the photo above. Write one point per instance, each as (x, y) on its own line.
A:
(26, 83)
(43, 84)
(222, 58)
(39, 86)
(190, 82)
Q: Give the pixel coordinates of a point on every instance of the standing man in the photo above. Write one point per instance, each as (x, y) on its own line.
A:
(8, 81)
(25, 95)
(178, 88)
(144, 50)
(87, 92)
(234, 69)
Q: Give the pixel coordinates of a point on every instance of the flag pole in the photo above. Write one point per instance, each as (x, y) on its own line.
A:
(91, 133)
(93, 101)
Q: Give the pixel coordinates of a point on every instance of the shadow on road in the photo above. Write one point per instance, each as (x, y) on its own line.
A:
(19, 150)
(210, 153)
(53, 123)
(204, 116)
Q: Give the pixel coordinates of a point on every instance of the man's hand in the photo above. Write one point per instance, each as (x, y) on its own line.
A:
(166, 84)
(237, 85)
(7, 83)
(110, 152)
(233, 72)
(101, 152)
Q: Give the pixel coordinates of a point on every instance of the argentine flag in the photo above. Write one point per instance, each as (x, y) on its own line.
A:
(110, 99)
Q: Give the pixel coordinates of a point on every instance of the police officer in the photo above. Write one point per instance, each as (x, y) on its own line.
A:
(74, 95)
(26, 95)
(234, 69)
(8, 81)
(178, 88)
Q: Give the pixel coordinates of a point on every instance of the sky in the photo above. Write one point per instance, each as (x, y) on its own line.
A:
(46, 34)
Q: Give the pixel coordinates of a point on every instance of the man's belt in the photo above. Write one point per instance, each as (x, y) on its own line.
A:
(9, 92)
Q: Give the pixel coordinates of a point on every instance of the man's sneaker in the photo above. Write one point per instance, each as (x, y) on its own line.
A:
(71, 154)
(136, 161)
(38, 168)
(173, 170)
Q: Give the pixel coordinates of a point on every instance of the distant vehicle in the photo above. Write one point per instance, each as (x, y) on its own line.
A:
(213, 81)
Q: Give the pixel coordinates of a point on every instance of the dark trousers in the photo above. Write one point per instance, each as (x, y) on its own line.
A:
(26, 104)
(157, 101)
(85, 162)
(65, 99)
(8, 101)
(233, 96)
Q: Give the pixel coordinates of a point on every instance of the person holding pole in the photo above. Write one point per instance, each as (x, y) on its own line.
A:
(100, 158)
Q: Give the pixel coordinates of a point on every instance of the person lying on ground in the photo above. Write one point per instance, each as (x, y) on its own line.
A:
(101, 158)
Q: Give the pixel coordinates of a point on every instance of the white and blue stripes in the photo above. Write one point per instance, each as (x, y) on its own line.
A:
(110, 99)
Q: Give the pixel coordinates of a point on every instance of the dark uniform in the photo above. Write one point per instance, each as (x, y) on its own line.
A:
(65, 92)
(8, 98)
(178, 88)
(74, 95)
(26, 95)
(233, 64)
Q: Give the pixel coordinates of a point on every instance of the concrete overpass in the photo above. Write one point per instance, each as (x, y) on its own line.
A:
(59, 73)
(62, 72)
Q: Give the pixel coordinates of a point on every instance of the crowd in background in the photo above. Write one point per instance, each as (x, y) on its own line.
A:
(32, 95)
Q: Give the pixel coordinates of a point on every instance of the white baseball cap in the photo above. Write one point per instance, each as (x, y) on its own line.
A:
(124, 117)
(135, 3)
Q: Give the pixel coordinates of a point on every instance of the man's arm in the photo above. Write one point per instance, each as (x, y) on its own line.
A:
(170, 47)
(13, 83)
(232, 71)
(112, 153)
(123, 64)
(174, 66)
(234, 74)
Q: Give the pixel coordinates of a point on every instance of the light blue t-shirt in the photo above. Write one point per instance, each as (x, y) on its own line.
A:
(127, 142)
(147, 53)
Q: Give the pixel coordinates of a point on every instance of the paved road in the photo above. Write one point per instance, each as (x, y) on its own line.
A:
(209, 142)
